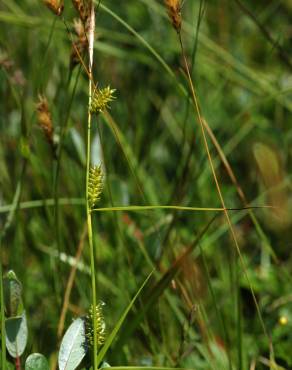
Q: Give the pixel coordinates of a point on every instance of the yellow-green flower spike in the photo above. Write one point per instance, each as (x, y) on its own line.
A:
(100, 326)
(94, 185)
(101, 99)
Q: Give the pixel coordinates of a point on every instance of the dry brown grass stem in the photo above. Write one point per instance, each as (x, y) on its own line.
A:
(204, 330)
(210, 160)
(237, 185)
(225, 163)
(91, 33)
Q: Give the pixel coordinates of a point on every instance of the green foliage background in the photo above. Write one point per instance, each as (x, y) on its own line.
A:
(152, 154)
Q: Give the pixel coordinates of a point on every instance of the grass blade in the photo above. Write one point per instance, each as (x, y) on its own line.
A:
(116, 329)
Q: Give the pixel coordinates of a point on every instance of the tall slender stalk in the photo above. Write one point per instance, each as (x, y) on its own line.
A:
(88, 209)
(232, 232)
(2, 318)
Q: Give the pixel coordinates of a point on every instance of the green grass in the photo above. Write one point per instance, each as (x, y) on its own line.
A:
(159, 209)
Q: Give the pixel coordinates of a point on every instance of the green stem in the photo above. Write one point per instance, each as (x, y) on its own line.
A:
(3, 343)
(93, 286)
(90, 236)
(88, 210)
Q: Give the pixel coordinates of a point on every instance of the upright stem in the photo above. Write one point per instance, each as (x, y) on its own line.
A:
(88, 210)
(2, 318)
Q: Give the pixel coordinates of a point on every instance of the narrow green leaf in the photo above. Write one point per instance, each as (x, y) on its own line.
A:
(73, 347)
(151, 297)
(16, 335)
(114, 332)
(36, 361)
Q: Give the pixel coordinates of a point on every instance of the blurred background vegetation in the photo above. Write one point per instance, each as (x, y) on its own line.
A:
(151, 149)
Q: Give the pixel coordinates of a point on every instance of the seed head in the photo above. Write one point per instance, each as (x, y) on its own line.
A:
(94, 185)
(56, 6)
(83, 9)
(45, 121)
(101, 99)
(80, 44)
(174, 13)
(100, 325)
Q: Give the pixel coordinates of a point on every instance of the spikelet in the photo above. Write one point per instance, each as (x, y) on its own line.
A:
(174, 12)
(56, 6)
(94, 185)
(101, 99)
(45, 120)
(100, 326)
(80, 45)
(83, 9)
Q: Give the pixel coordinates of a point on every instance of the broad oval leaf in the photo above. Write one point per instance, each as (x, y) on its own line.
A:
(73, 347)
(16, 335)
(36, 361)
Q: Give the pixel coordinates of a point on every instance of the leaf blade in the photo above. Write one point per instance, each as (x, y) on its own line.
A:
(73, 347)
(16, 335)
(36, 361)
(114, 332)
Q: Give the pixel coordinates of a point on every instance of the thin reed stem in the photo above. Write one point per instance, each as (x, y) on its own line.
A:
(240, 192)
(88, 210)
(2, 318)
(201, 123)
